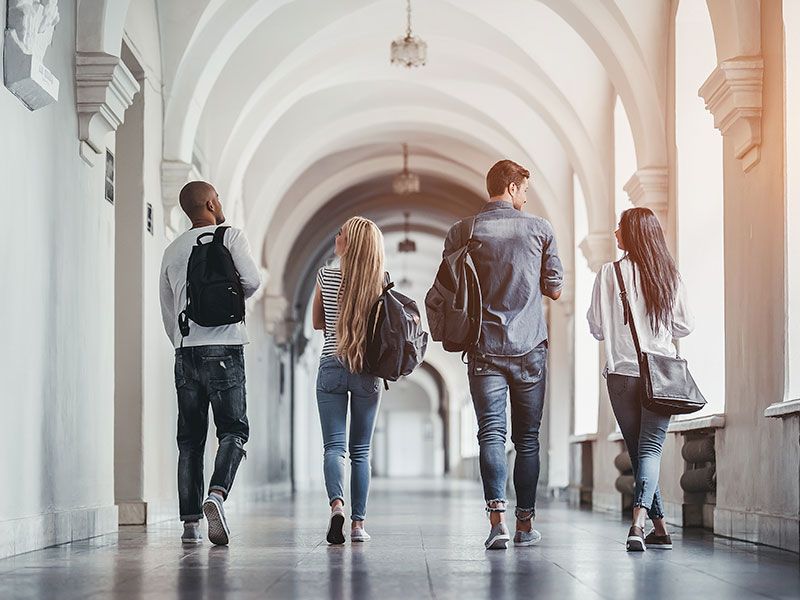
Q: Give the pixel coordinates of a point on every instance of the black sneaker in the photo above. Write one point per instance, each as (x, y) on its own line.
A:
(635, 541)
(658, 542)
(335, 533)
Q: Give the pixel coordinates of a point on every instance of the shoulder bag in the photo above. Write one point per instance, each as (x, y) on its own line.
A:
(668, 387)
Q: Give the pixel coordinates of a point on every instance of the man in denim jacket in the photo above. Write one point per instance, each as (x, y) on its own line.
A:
(517, 263)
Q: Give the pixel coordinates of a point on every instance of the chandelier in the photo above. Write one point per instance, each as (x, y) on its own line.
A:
(407, 245)
(409, 51)
(405, 183)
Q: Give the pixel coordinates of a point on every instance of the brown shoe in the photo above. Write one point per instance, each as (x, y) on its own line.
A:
(635, 542)
(658, 542)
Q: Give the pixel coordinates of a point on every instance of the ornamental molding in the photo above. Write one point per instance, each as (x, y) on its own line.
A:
(174, 175)
(278, 322)
(733, 94)
(649, 188)
(105, 89)
(598, 248)
(29, 32)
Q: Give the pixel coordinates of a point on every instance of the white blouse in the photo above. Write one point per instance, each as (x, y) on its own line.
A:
(606, 321)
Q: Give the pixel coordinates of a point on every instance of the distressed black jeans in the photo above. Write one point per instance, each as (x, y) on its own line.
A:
(209, 375)
(644, 432)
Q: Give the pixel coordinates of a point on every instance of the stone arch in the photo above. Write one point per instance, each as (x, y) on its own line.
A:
(100, 26)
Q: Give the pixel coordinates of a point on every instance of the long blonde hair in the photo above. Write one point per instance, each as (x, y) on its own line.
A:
(362, 283)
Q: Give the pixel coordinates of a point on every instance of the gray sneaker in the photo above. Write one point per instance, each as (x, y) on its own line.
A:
(218, 531)
(191, 533)
(498, 537)
(527, 538)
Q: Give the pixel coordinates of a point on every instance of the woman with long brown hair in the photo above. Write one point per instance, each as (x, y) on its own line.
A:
(343, 299)
(659, 309)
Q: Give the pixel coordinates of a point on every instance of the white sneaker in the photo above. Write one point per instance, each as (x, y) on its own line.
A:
(358, 534)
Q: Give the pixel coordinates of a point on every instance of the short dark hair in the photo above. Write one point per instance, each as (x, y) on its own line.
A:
(503, 174)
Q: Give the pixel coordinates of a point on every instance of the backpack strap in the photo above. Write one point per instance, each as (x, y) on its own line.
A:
(219, 234)
(471, 230)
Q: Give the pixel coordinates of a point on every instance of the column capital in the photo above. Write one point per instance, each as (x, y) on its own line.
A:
(279, 323)
(104, 90)
(733, 94)
(174, 175)
(598, 248)
(648, 187)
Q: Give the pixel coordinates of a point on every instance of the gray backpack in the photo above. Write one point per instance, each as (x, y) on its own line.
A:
(454, 302)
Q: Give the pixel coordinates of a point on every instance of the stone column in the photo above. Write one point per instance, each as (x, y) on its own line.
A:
(560, 383)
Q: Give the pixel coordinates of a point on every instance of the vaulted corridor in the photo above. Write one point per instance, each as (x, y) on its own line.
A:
(302, 115)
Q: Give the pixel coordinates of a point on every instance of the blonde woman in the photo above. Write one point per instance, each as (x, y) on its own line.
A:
(341, 307)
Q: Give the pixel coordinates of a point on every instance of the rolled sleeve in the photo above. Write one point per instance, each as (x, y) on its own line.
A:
(167, 298)
(682, 316)
(552, 272)
(595, 313)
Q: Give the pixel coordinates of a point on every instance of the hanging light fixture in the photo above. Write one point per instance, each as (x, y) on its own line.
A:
(409, 51)
(407, 245)
(405, 183)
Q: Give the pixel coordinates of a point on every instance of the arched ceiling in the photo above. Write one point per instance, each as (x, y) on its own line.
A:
(299, 116)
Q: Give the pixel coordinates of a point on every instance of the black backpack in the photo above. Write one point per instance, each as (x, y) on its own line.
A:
(454, 302)
(214, 294)
(396, 341)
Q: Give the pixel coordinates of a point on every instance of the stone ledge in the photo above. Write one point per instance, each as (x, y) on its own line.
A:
(790, 408)
(584, 437)
(697, 424)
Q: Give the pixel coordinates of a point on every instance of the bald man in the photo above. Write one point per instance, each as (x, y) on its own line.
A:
(209, 369)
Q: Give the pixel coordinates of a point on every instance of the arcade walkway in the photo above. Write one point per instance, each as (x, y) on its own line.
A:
(427, 543)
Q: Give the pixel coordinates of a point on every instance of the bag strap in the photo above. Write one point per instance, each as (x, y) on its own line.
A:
(627, 314)
(219, 233)
(471, 230)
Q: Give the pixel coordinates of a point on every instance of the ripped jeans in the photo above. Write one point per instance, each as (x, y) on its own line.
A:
(209, 375)
(644, 432)
(492, 380)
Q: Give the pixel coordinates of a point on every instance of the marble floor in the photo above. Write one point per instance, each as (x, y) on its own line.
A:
(427, 542)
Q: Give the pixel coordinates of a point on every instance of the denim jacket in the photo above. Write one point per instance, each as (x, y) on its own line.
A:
(517, 262)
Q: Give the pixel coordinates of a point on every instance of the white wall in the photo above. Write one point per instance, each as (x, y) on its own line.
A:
(700, 203)
(791, 17)
(58, 282)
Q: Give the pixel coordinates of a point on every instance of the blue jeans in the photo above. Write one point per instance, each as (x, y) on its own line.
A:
(209, 375)
(334, 382)
(491, 379)
(644, 432)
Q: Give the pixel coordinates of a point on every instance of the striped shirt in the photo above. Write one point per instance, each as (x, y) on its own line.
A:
(330, 281)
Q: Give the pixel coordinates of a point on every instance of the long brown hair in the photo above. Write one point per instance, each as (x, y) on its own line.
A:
(362, 283)
(647, 249)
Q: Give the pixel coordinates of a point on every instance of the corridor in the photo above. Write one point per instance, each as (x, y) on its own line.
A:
(427, 542)
(303, 114)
